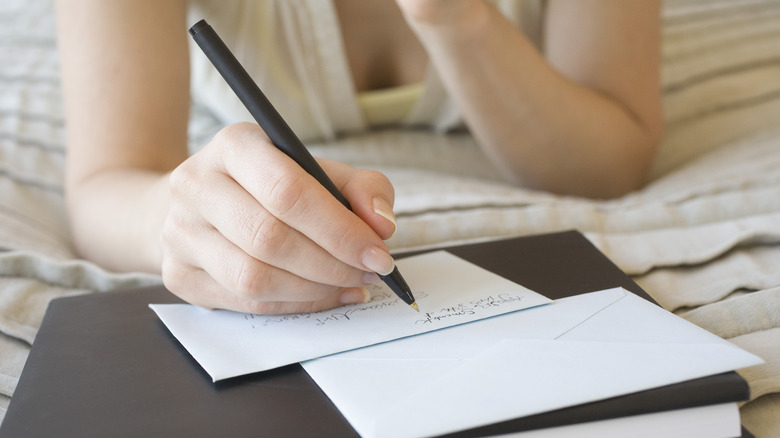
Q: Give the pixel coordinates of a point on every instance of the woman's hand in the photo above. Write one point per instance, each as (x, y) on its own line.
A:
(249, 230)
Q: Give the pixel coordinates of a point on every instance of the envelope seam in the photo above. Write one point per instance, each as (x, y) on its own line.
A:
(589, 317)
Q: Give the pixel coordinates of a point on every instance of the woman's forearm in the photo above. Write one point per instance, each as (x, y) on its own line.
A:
(541, 127)
(125, 71)
(117, 216)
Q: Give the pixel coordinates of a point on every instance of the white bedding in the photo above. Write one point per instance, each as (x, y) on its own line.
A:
(703, 237)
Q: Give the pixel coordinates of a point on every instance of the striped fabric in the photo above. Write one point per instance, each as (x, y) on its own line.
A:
(703, 237)
(37, 262)
(721, 70)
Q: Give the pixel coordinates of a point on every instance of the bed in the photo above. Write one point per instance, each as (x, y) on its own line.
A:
(703, 237)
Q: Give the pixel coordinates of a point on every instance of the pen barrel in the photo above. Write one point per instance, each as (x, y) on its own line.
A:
(278, 131)
(398, 285)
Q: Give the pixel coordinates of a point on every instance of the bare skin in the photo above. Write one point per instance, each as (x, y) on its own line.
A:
(239, 226)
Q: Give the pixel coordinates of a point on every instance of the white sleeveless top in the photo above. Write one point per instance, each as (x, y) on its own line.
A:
(294, 51)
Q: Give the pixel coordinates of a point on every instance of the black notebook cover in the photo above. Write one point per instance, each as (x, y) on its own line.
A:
(103, 365)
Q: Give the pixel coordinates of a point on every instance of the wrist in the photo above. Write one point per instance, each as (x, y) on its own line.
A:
(463, 18)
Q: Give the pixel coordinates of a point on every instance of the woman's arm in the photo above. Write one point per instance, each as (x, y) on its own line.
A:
(582, 118)
(125, 77)
(238, 225)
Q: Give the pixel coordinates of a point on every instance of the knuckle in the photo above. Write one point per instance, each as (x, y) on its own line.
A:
(252, 278)
(373, 178)
(174, 275)
(285, 194)
(268, 235)
(179, 180)
(341, 238)
(235, 132)
(234, 142)
(169, 236)
(183, 181)
(376, 176)
(233, 139)
(182, 281)
(176, 229)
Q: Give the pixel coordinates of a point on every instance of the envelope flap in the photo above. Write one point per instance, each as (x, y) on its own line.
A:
(633, 319)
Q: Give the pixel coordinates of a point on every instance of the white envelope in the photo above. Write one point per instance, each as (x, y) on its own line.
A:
(576, 350)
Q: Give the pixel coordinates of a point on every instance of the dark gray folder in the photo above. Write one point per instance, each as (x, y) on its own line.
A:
(103, 365)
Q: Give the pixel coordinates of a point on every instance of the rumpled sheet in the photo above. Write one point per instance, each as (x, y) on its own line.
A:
(703, 238)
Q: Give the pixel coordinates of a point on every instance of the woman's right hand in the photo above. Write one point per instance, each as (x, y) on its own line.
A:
(249, 230)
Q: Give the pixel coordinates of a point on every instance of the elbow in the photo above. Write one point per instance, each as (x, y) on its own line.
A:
(626, 172)
(594, 173)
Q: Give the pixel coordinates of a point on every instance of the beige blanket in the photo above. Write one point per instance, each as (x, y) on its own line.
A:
(703, 237)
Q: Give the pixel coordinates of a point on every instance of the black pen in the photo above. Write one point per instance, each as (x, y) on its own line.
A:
(280, 133)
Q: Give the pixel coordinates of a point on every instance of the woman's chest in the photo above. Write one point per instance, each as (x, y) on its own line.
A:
(381, 50)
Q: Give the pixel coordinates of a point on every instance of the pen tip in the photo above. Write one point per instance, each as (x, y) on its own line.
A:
(414, 306)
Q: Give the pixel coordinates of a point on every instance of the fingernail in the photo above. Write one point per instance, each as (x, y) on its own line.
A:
(355, 296)
(378, 260)
(382, 208)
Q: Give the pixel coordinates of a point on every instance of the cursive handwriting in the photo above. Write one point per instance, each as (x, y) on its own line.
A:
(380, 300)
(265, 320)
(492, 301)
(468, 309)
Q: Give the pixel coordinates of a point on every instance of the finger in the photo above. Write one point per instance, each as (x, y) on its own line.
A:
(245, 277)
(346, 296)
(245, 223)
(370, 194)
(296, 198)
(197, 287)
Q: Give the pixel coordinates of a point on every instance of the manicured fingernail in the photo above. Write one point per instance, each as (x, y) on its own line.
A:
(378, 260)
(382, 208)
(355, 296)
